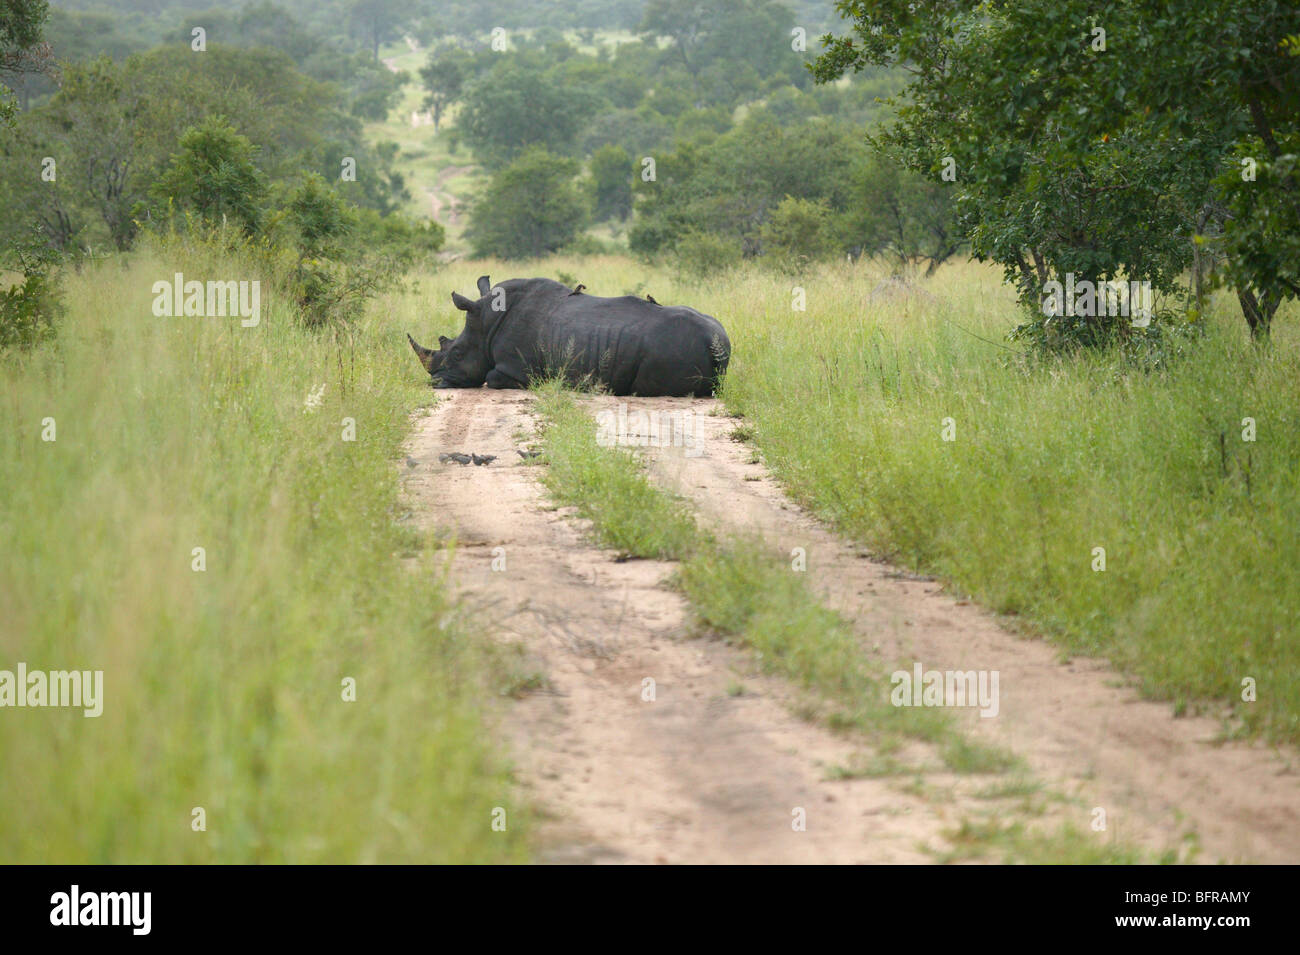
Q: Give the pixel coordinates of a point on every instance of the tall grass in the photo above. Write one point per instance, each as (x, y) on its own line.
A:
(1201, 587)
(224, 687)
(1050, 462)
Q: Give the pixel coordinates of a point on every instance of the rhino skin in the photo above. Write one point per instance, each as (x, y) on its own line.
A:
(524, 329)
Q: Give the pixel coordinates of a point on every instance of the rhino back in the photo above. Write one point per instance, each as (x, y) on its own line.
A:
(626, 343)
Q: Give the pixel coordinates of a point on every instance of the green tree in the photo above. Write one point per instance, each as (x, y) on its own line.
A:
(1098, 143)
(215, 175)
(321, 219)
(69, 164)
(28, 309)
(1236, 70)
(799, 232)
(374, 91)
(732, 187)
(684, 21)
(21, 48)
(612, 171)
(444, 78)
(736, 41)
(513, 107)
(900, 214)
(380, 20)
(531, 208)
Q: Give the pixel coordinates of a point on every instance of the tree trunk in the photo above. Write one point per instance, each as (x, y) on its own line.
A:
(1258, 312)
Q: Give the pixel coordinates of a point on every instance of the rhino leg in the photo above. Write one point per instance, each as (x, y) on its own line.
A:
(499, 379)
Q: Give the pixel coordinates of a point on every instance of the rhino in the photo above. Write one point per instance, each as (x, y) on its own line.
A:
(521, 330)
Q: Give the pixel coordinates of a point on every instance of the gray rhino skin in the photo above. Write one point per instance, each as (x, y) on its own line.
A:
(523, 329)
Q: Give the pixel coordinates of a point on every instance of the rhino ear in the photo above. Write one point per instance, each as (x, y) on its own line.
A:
(443, 341)
(462, 303)
(484, 285)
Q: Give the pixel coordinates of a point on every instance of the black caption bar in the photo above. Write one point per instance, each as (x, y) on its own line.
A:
(141, 905)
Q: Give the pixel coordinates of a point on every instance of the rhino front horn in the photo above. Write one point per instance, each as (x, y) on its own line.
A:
(424, 354)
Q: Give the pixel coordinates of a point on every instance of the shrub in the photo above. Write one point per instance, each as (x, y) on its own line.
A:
(29, 307)
(700, 254)
(798, 233)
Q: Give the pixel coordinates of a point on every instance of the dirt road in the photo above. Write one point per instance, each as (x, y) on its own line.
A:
(648, 746)
(440, 198)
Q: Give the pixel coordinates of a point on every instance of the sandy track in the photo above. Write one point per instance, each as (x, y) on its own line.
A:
(1081, 730)
(440, 198)
(700, 775)
(697, 775)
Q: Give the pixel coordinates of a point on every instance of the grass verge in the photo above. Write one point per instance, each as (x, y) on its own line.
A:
(1147, 516)
(224, 668)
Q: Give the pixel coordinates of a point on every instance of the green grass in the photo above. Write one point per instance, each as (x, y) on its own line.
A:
(1201, 587)
(993, 841)
(223, 688)
(607, 487)
(739, 589)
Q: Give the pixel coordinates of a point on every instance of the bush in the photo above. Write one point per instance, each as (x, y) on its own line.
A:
(532, 207)
(700, 254)
(1150, 346)
(798, 233)
(28, 308)
(215, 175)
(612, 171)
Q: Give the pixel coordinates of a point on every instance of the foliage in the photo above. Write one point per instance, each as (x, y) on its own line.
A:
(898, 213)
(29, 308)
(444, 78)
(734, 188)
(511, 108)
(215, 175)
(798, 232)
(21, 23)
(1095, 144)
(612, 171)
(114, 127)
(531, 207)
(701, 255)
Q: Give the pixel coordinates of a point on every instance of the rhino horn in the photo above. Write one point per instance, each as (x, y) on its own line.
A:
(426, 355)
(484, 285)
(461, 302)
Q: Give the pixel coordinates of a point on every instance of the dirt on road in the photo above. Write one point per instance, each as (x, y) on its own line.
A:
(649, 744)
(440, 199)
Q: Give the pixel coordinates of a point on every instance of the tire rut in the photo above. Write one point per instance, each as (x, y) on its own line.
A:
(1083, 729)
(699, 774)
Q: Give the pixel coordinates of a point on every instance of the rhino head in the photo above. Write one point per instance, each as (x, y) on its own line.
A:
(461, 362)
(430, 359)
